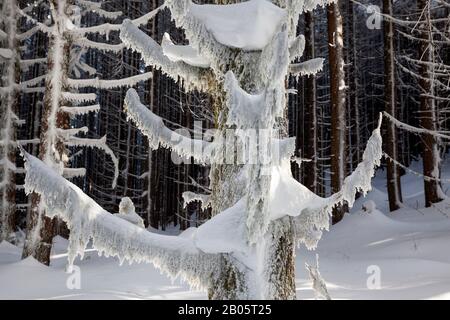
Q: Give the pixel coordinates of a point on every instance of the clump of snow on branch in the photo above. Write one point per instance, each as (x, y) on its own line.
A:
(243, 25)
(127, 211)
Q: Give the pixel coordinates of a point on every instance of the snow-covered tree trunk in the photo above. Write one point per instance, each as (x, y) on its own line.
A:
(393, 175)
(337, 101)
(428, 114)
(40, 228)
(8, 118)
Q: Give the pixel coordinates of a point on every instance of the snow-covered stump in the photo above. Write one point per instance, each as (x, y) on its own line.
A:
(246, 250)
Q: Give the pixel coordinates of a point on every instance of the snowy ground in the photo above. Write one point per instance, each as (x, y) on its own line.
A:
(410, 248)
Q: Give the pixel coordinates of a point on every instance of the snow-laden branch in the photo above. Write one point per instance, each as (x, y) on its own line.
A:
(26, 64)
(86, 43)
(158, 134)
(96, 8)
(79, 97)
(29, 33)
(359, 180)
(109, 84)
(106, 28)
(184, 53)
(6, 53)
(189, 196)
(315, 216)
(306, 68)
(177, 256)
(80, 110)
(38, 25)
(70, 173)
(413, 129)
(99, 144)
(153, 55)
(33, 82)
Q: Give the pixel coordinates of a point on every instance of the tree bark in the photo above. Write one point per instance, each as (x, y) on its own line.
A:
(40, 228)
(393, 176)
(337, 101)
(8, 134)
(428, 118)
(310, 128)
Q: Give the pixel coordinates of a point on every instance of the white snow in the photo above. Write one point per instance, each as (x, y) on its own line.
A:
(127, 212)
(6, 53)
(409, 246)
(307, 68)
(243, 25)
(186, 53)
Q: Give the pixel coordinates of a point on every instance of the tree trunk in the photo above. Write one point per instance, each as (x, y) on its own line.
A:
(393, 176)
(428, 118)
(8, 134)
(41, 229)
(310, 128)
(337, 100)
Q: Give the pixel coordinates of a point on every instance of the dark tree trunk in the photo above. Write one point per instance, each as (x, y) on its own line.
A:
(310, 115)
(428, 117)
(337, 101)
(393, 176)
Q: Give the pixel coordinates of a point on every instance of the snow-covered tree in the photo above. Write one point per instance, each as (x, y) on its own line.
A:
(12, 65)
(9, 59)
(247, 249)
(63, 100)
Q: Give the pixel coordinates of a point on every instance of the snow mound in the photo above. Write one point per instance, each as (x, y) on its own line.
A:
(243, 25)
(31, 262)
(369, 206)
(186, 54)
(188, 233)
(7, 247)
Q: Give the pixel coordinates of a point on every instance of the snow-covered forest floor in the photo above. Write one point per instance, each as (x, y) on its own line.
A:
(408, 247)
